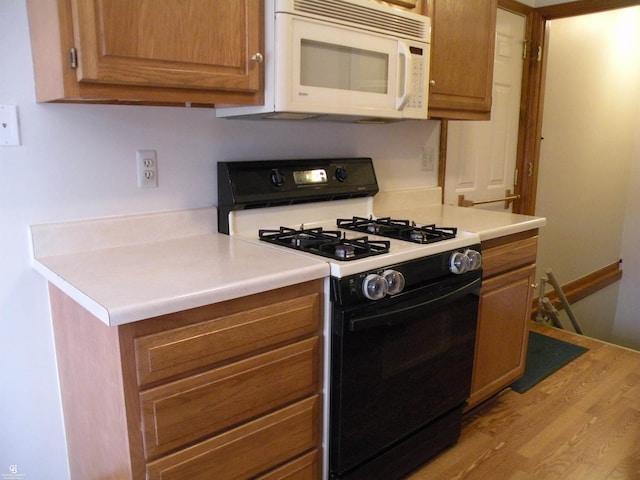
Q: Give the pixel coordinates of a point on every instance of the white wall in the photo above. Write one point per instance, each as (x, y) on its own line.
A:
(77, 161)
(626, 327)
(591, 135)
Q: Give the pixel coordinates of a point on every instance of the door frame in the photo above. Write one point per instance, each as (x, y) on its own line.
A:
(532, 95)
(532, 136)
(523, 179)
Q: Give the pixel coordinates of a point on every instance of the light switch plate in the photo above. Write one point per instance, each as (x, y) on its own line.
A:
(9, 131)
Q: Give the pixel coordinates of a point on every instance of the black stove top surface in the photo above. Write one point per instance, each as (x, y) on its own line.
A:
(398, 229)
(327, 243)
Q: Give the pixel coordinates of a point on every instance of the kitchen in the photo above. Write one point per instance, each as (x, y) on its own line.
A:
(94, 147)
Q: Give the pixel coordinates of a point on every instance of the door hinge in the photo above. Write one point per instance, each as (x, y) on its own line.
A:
(515, 177)
(73, 58)
(525, 48)
(530, 169)
(539, 53)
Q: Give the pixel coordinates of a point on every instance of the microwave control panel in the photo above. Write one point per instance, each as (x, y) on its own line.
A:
(415, 107)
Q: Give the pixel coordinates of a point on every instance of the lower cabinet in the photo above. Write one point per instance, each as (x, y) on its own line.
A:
(231, 390)
(505, 308)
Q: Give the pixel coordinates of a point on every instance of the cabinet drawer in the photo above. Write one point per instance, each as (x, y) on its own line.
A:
(165, 354)
(248, 450)
(195, 407)
(509, 256)
(306, 467)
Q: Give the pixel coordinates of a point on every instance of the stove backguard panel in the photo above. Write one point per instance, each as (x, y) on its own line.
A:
(245, 223)
(272, 183)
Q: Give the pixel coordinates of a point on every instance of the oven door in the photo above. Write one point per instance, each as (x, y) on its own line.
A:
(398, 365)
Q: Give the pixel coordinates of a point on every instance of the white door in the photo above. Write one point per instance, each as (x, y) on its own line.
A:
(481, 155)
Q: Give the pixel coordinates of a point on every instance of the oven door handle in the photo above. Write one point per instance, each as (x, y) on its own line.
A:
(382, 318)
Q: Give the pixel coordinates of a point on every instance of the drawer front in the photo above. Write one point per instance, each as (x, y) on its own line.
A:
(193, 408)
(509, 256)
(248, 450)
(306, 467)
(165, 354)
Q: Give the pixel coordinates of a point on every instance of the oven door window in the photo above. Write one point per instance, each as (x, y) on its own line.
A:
(392, 379)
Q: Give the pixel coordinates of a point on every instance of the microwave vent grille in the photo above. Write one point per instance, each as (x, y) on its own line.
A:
(376, 17)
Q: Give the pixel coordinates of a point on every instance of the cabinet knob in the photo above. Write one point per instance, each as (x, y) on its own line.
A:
(258, 58)
(432, 82)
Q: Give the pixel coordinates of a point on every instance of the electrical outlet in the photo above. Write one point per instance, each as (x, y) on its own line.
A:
(147, 165)
(427, 159)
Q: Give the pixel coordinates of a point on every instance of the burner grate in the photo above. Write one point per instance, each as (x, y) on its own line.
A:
(398, 229)
(327, 243)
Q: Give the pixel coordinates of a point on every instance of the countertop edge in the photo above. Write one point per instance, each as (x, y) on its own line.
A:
(137, 312)
(491, 233)
(231, 291)
(84, 300)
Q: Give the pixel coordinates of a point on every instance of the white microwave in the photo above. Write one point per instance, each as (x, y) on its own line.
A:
(346, 60)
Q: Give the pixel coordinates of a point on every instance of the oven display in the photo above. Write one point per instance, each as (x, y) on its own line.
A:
(310, 177)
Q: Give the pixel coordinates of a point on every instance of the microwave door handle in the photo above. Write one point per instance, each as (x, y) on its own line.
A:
(404, 69)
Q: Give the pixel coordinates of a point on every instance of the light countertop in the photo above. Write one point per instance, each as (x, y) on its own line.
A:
(486, 223)
(129, 268)
(140, 267)
(417, 205)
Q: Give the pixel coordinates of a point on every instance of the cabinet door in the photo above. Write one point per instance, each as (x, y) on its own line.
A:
(174, 43)
(463, 43)
(501, 342)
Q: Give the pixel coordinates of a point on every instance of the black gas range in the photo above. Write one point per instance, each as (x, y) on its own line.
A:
(400, 329)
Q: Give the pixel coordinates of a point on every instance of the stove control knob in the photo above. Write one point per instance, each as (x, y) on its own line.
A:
(475, 259)
(458, 263)
(395, 281)
(277, 179)
(374, 287)
(341, 174)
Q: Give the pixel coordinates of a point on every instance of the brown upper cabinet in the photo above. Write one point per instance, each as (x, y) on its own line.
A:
(169, 52)
(462, 48)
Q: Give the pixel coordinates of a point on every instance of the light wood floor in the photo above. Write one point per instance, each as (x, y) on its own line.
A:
(582, 423)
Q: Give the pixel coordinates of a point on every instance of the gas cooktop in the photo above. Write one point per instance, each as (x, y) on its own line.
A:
(336, 245)
(327, 243)
(399, 229)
